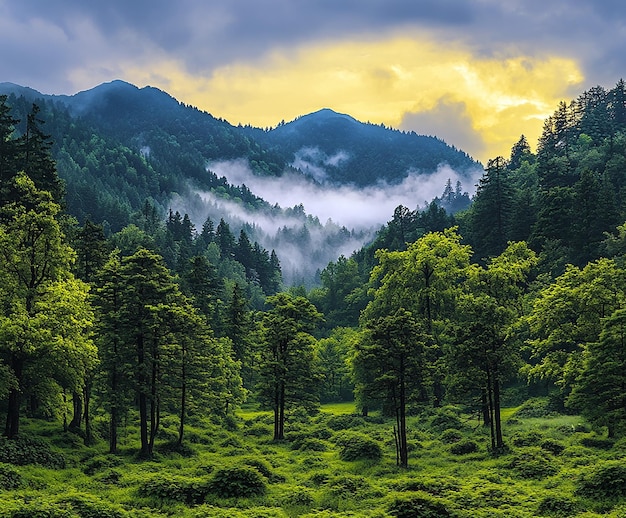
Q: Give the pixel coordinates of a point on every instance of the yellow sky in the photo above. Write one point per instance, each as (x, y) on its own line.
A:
(385, 81)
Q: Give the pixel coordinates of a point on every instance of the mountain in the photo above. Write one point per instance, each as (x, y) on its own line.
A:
(336, 148)
(120, 149)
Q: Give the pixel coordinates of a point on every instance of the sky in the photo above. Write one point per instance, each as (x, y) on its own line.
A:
(476, 73)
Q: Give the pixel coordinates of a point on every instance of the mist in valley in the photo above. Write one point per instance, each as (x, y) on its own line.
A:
(310, 222)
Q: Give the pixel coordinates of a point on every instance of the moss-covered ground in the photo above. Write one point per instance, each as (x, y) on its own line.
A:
(335, 463)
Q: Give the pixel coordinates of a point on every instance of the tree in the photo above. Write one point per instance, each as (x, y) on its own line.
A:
(35, 157)
(600, 390)
(567, 315)
(485, 350)
(288, 374)
(45, 322)
(393, 356)
(490, 212)
(8, 150)
(425, 280)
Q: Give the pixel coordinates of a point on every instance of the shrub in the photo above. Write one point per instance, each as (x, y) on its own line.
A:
(356, 446)
(433, 486)
(259, 430)
(99, 462)
(464, 447)
(606, 480)
(88, 507)
(536, 407)
(309, 444)
(600, 443)
(28, 450)
(343, 422)
(446, 419)
(347, 486)
(177, 489)
(299, 497)
(558, 506)
(552, 446)
(260, 465)
(173, 446)
(450, 435)
(9, 478)
(40, 509)
(531, 438)
(237, 481)
(417, 505)
(533, 463)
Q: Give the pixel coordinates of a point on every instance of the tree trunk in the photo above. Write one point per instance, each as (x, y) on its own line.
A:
(77, 416)
(87, 416)
(404, 449)
(183, 405)
(485, 408)
(12, 428)
(496, 413)
(113, 429)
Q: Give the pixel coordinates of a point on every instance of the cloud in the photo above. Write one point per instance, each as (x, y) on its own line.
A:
(260, 61)
(354, 208)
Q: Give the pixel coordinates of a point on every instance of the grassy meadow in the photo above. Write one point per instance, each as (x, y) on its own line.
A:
(333, 464)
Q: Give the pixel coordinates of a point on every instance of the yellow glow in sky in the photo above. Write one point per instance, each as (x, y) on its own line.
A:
(386, 82)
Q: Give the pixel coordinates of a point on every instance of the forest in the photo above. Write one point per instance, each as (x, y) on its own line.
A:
(469, 361)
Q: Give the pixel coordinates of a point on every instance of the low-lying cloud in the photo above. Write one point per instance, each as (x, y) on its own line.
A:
(349, 206)
(311, 224)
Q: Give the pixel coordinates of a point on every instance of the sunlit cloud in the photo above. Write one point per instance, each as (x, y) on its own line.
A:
(387, 81)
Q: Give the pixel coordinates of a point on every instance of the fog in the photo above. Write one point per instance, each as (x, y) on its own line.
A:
(349, 206)
(311, 223)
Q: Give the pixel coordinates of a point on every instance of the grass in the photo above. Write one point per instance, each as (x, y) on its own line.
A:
(539, 475)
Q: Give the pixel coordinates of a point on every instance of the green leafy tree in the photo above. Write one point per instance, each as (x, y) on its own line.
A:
(45, 323)
(392, 355)
(288, 371)
(600, 390)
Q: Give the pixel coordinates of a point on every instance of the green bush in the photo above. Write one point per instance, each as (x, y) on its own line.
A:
(238, 481)
(177, 489)
(554, 447)
(357, 446)
(41, 509)
(344, 422)
(446, 419)
(299, 497)
(530, 438)
(347, 486)
(9, 478)
(417, 505)
(558, 506)
(27, 450)
(536, 408)
(88, 507)
(309, 444)
(433, 486)
(99, 462)
(533, 463)
(464, 447)
(451, 435)
(601, 443)
(606, 480)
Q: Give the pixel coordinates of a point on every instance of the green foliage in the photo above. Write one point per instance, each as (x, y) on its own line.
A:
(356, 446)
(593, 441)
(556, 505)
(418, 505)
(29, 450)
(464, 447)
(87, 506)
(237, 481)
(450, 435)
(9, 478)
(177, 489)
(604, 480)
(533, 463)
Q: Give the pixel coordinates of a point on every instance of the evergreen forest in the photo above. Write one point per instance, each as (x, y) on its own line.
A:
(468, 361)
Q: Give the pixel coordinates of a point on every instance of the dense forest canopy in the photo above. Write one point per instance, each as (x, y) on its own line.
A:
(155, 320)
